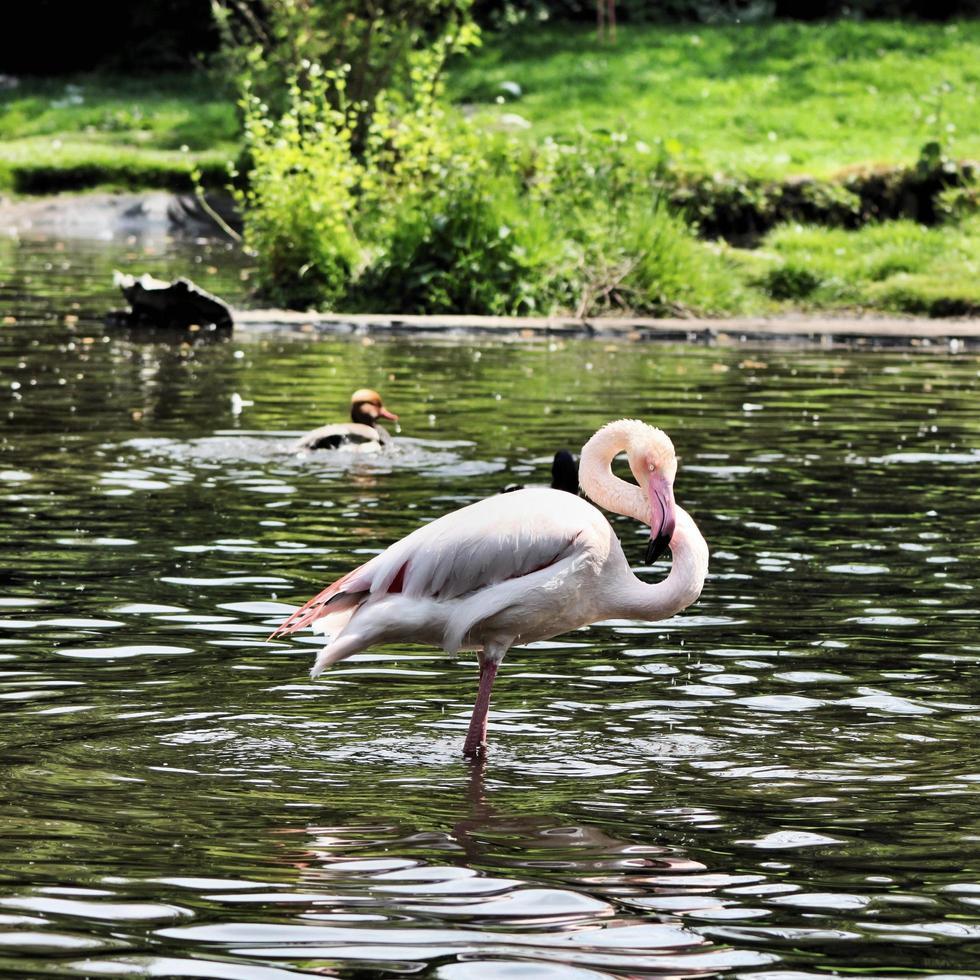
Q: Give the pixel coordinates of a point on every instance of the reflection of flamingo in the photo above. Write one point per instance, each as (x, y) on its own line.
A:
(366, 408)
(520, 567)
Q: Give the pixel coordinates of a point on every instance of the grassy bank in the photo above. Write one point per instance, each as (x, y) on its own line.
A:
(739, 114)
(898, 266)
(730, 117)
(105, 130)
(763, 100)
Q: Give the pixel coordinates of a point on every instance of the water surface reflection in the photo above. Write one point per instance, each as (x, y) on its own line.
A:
(778, 783)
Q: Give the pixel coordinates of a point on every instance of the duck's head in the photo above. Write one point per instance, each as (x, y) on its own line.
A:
(366, 407)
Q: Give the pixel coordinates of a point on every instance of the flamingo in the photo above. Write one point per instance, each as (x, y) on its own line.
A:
(363, 430)
(519, 567)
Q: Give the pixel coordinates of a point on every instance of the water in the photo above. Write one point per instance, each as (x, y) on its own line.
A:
(779, 783)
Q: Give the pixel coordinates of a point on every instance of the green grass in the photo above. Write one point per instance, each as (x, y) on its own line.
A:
(761, 99)
(766, 100)
(45, 165)
(125, 131)
(898, 266)
(770, 101)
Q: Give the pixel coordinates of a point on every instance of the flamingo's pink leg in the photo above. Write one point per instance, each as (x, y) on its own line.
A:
(476, 737)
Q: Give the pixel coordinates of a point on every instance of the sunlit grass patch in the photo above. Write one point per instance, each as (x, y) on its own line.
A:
(763, 99)
(895, 265)
(105, 130)
(161, 112)
(45, 164)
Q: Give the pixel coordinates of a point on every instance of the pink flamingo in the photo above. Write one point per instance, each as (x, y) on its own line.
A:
(519, 567)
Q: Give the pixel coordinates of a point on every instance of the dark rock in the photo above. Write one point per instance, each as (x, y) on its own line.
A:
(179, 305)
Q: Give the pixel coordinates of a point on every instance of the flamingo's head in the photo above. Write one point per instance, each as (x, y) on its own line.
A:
(654, 465)
(366, 407)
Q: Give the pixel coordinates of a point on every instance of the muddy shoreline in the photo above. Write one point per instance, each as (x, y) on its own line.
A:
(871, 331)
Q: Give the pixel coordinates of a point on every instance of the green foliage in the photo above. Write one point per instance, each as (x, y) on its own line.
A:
(418, 220)
(377, 47)
(299, 199)
(461, 247)
(956, 203)
(790, 281)
(433, 216)
(361, 190)
(623, 249)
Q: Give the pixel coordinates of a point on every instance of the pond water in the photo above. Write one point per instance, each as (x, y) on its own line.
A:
(781, 782)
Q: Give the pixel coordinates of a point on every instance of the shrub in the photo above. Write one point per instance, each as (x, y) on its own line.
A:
(272, 43)
(300, 199)
(790, 281)
(403, 207)
(624, 251)
(956, 203)
(461, 247)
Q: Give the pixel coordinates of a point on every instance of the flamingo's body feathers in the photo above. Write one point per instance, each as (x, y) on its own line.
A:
(438, 584)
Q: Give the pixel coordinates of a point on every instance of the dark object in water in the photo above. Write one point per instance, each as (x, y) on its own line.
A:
(361, 432)
(178, 305)
(564, 474)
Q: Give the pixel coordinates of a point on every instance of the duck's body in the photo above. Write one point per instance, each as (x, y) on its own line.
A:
(362, 432)
(518, 567)
(343, 434)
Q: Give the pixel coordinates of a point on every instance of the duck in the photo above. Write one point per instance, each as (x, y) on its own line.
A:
(564, 474)
(363, 431)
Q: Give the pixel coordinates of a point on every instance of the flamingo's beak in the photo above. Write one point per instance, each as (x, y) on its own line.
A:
(661, 494)
(385, 414)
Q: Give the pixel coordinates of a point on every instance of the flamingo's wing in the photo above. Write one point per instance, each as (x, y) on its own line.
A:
(464, 553)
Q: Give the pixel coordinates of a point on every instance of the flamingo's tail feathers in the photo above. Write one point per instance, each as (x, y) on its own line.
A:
(346, 593)
(333, 652)
(309, 614)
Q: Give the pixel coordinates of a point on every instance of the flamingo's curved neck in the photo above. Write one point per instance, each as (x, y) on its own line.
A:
(689, 566)
(633, 598)
(598, 480)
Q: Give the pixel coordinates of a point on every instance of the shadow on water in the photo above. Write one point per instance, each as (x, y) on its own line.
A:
(775, 783)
